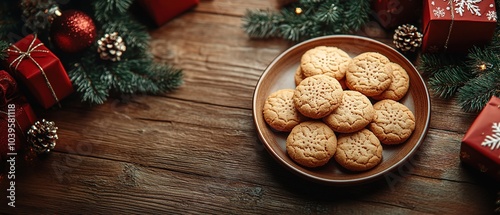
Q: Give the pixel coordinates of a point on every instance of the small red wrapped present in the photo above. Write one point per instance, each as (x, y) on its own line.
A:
(39, 70)
(164, 10)
(8, 88)
(393, 13)
(456, 26)
(481, 144)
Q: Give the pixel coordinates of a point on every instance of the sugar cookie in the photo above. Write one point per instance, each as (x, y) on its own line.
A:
(393, 122)
(298, 76)
(399, 86)
(369, 73)
(279, 111)
(358, 151)
(354, 113)
(325, 60)
(317, 96)
(311, 144)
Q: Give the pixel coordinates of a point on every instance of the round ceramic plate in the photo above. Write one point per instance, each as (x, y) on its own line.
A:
(280, 75)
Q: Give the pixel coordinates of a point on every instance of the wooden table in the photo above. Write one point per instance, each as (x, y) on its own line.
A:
(196, 150)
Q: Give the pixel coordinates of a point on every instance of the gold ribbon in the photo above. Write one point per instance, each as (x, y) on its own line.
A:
(27, 54)
(451, 25)
(445, 46)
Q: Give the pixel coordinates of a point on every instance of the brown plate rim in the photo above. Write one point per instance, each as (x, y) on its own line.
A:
(322, 180)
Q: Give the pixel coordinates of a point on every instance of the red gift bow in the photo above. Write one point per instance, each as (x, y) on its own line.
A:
(27, 54)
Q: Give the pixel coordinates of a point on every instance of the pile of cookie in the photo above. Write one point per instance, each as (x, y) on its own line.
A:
(343, 108)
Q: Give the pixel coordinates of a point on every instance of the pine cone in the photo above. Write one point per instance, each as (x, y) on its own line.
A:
(39, 14)
(111, 47)
(407, 38)
(42, 136)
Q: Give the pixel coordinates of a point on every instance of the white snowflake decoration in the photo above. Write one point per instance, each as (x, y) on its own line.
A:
(471, 5)
(491, 15)
(438, 12)
(493, 141)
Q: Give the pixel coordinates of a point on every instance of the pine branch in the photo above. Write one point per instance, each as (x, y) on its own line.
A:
(446, 74)
(166, 77)
(483, 60)
(3, 49)
(447, 82)
(306, 19)
(262, 24)
(476, 93)
(95, 79)
(87, 82)
(133, 33)
(357, 13)
(106, 10)
(328, 13)
(435, 63)
(296, 28)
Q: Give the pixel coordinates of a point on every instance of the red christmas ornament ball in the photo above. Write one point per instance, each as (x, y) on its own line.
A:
(73, 31)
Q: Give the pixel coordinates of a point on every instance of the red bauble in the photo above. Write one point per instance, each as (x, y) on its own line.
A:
(73, 31)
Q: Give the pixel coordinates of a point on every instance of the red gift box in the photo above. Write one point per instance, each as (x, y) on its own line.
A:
(8, 88)
(164, 10)
(16, 118)
(456, 26)
(481, 144)
(393, 13)
(39, 70)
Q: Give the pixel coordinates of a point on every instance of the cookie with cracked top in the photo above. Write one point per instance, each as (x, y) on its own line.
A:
(311, 144)
(354, 113)
(317, 96)
(279, 111)
(358, 151)
(369, 73)
(393, 122)
(325, 60)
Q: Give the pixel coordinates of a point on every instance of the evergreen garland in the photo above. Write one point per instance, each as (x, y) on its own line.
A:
(473, 78)
(307, 19)
(3, 46)
(95, 79)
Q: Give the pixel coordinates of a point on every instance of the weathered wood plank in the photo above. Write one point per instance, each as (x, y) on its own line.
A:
(121, 187)
(447, 115)
(216, 58)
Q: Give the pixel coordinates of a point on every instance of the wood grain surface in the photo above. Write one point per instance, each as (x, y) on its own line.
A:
(196, 150)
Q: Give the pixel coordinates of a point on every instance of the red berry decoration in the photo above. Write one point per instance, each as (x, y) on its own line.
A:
(73, 31)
